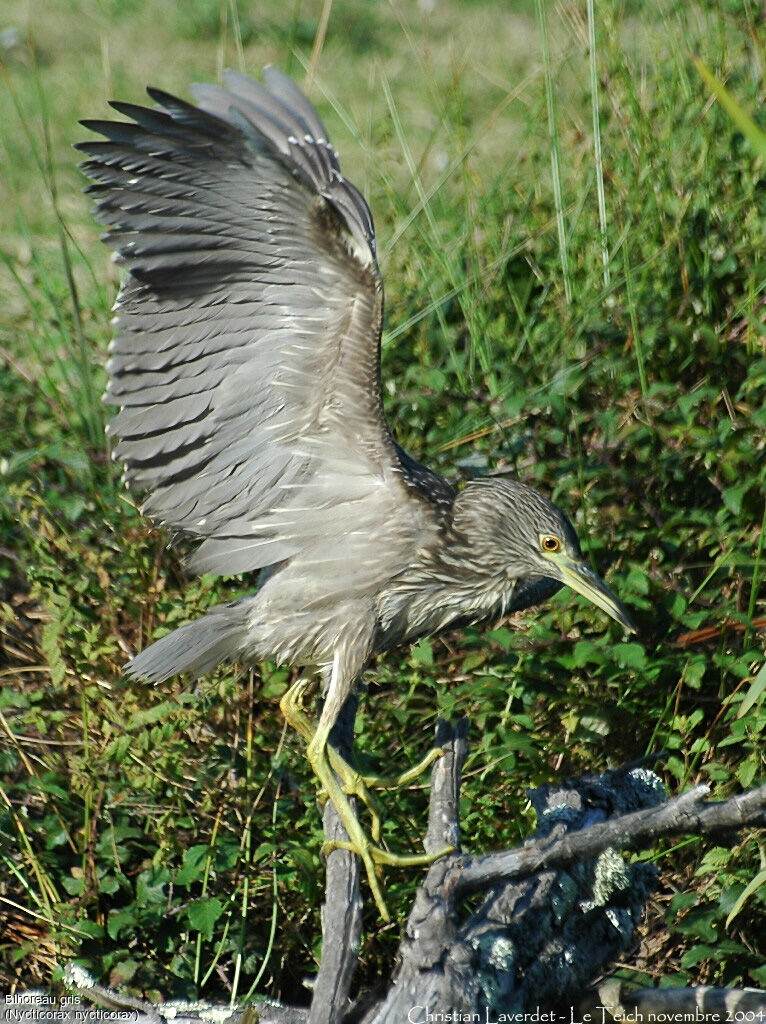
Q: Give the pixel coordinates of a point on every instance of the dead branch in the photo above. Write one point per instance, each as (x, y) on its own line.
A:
(614, 1001)
(687, 813)
(555, 913)
(342, 910)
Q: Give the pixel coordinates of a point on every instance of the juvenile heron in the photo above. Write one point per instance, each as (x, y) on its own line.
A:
(246, 366)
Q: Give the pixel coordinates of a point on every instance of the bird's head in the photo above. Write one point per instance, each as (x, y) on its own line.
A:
(512, 529)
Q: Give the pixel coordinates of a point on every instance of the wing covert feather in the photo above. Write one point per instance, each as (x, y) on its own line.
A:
(246, 362)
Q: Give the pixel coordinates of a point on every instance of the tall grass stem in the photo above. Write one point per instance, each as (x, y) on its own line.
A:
(555, 151)
(594, 102)
(754, 591)
(638, 344)
(319, 41)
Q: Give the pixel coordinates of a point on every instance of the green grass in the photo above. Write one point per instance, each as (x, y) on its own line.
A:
(603, 338)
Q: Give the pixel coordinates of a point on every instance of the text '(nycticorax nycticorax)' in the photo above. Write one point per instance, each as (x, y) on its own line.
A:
(246, 365)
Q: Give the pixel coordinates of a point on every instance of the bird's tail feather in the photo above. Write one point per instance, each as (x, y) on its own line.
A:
(220, 635)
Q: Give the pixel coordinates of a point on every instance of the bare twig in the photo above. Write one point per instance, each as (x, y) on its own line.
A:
(687, 813)
(556, 914)
(446, 779)
(432, 917)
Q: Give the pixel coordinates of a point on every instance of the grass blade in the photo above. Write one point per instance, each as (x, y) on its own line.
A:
(597, 140)
(555, 151)
(737, 113)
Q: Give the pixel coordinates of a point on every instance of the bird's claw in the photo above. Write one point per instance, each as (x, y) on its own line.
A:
(339, 781)
(407, 777)
(291, 705)
(379, 856)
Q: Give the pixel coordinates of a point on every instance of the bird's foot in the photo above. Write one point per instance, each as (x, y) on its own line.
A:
(373, 856)
(381, 856)
(407, 777)
(353, 782)
(339, 780)
(358, 843)
(291, 706)
(356, 784)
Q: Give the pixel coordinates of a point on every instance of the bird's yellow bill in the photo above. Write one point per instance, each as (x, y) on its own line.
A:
(582, 578)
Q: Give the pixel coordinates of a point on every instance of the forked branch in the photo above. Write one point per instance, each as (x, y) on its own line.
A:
(556, 912)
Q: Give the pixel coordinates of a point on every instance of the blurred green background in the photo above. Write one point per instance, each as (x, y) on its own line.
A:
(588, 316)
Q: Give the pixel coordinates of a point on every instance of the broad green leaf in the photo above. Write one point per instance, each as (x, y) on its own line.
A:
(203, 914)
(753, 886)
(193, 868)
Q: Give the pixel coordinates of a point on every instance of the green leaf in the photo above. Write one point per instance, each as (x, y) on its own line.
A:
(753, 886)
(585, 652)
(150, 887)
(595, 724)
(631, 655)
(759, 975)
(74, 886)
(697, 954)
(714, 859)
(747, 771)
(120, 921)
(157, 713)
(306, 863)
(193, 869)
(122, 972)
(473, 660)
(108, 884)
(118, 749)
(90, 928)
(732, 497)
(203, 913)
(702, 923)
(423, 653)
(502, 636)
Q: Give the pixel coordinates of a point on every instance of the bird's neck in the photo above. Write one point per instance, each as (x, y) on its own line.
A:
(438, 593)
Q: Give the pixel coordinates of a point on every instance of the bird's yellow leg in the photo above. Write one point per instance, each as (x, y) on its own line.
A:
(317, 753)
(361, 783)
(325, 762)
(354, 784)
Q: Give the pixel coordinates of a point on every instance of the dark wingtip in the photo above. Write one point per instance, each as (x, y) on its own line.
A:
(168, 101)
(90, 124)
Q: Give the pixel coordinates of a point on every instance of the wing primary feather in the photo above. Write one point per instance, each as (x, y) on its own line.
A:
(246, 358)
(289, 94)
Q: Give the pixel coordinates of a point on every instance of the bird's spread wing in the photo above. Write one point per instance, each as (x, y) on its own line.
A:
(246, 361)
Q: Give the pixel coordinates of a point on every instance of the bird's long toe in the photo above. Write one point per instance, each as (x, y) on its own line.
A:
(339, 781)
(407, 777)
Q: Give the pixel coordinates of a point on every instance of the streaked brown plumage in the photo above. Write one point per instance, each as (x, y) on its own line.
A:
(246, 365)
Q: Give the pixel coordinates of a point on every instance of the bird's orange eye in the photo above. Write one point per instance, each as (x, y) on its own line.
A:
(549, 544)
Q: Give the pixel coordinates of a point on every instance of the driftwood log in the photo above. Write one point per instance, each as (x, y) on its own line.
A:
(555, 914)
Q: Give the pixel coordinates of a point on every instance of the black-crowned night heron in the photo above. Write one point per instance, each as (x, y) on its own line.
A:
(246, 366)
